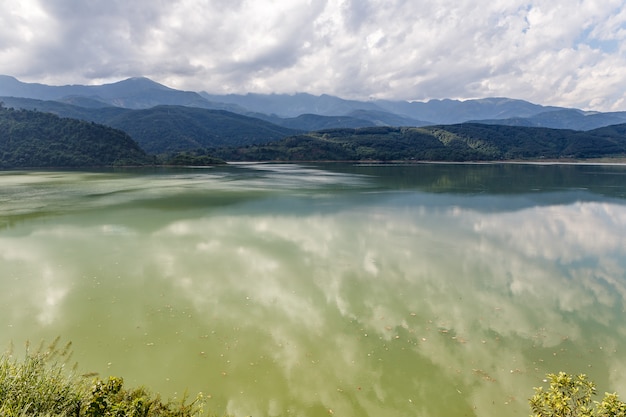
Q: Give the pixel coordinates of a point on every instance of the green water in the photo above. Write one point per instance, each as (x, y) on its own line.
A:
(286, 290)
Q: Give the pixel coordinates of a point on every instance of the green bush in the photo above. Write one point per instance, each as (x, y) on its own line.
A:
(572, 397)
(38, 384)
(41, 384)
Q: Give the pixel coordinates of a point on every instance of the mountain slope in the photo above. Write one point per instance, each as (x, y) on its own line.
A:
(141, 92)
(36, 139)
(92, 113)
(164, 129)
(293, 105)
(563, 119)
(132, 93)
(421, 113)
(459, 111)
(383, 118)
(312, 122)
(96, 111)
(286, 109)
(354, 119)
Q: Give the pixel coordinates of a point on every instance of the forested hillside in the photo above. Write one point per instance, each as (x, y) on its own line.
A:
(36, 139)
(462, 142)
(165, 129)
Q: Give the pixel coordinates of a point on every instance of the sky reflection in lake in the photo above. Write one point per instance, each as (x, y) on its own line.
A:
(290, 290)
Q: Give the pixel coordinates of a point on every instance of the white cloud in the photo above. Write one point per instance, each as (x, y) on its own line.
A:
(551, 52)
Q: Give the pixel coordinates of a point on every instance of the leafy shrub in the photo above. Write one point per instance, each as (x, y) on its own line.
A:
(40, 384)
(572, 397)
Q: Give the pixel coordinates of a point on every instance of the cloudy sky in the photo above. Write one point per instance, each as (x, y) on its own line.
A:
(558, 52)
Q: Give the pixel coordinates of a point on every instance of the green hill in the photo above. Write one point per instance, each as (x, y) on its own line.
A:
(461, 142)
(192, 136)
(36, 139)
(166, 129)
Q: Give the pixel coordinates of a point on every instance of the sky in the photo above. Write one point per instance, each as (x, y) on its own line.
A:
(569, 53)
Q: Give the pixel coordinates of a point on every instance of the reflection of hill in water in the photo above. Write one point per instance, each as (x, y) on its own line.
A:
(605, 180)
(290, 188)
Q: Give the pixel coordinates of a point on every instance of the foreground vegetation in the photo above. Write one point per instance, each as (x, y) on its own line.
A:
(573, 397)
(40, 384)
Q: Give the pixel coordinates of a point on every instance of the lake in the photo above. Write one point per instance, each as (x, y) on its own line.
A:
(312, 290)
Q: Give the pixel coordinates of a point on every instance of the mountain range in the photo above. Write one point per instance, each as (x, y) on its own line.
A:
(181, 126)
(304, 111)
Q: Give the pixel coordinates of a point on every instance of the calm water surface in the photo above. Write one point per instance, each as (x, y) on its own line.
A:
(287, 290)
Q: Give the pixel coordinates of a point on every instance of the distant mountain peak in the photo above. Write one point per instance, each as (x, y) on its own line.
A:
(134, 92)
(8, 78)
(142, 82)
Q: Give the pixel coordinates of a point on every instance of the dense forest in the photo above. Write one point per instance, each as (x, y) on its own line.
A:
(462, 142)
(36, 139)
(166, 129)
(176, 135)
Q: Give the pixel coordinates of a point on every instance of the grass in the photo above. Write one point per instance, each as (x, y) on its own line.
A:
(42, 384)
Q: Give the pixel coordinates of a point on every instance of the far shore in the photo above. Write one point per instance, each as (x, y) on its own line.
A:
(537, 161)
(565, 161)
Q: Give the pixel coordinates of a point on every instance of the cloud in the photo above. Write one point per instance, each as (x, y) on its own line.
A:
(551, 52)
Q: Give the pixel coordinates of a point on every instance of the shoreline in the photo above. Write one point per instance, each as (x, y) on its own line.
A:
(592, 161)
(621, 161)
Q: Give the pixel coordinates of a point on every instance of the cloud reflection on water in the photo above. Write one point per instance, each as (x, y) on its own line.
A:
(398, 282)
(365, 303)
